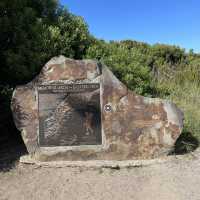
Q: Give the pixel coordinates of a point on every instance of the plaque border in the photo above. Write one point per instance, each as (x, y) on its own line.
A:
(96, 147)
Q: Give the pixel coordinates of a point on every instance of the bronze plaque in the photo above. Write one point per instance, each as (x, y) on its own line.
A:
(69, 114)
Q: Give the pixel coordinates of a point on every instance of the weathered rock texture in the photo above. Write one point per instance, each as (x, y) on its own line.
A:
(136, 127)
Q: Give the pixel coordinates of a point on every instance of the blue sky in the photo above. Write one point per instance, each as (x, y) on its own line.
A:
(175, 22)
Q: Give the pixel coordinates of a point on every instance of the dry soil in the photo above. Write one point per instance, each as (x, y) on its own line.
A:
(177, 179)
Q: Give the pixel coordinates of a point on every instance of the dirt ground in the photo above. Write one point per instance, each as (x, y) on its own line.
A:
(173, 180)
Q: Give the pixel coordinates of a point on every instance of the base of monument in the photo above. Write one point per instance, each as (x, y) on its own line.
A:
(28, 159)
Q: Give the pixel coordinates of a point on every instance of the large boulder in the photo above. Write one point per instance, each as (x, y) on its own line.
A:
(131, 126)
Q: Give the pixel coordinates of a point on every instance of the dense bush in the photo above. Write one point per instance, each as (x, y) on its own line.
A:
(128, 62)
(139, 65)
(32, 31)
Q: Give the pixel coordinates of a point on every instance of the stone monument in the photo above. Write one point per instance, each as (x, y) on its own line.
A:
(78, 110)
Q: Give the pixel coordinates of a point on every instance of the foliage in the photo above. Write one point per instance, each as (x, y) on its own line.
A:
(34, 31)
(130, 64)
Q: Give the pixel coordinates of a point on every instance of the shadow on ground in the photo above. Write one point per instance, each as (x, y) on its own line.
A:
(186, 143)
(10, 151)
(11, 143)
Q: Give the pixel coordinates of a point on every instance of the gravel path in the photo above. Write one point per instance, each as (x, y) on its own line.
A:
(177, 180)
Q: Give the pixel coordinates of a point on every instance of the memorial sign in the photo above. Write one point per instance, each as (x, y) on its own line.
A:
(78, 110)
(69, 114)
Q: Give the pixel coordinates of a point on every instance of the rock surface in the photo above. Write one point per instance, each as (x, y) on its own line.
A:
(133, 126)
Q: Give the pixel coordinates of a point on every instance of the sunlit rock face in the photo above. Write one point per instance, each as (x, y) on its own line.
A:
(78, 110)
